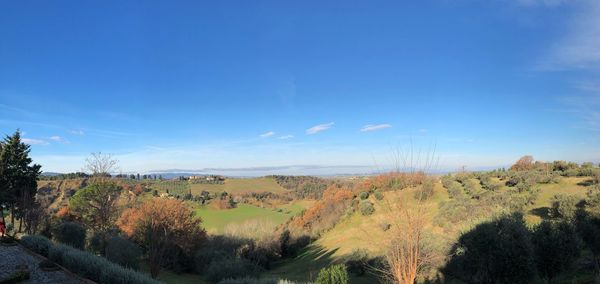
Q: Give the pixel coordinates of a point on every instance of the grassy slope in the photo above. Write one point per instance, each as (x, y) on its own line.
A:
(364, 232)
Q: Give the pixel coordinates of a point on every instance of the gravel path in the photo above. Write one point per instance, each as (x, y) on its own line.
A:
(12, 256)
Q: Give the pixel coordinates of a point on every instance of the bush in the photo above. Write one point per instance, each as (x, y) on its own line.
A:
(366, 208)
(96, 243)
(564, 206)
(363, 195)
(556, 248)
(426, 190)
(230, 268)
(499, 251)
(38, 244)
(378, 195)
(70, 233)
(206, 255)
(335, 274)
(357, 262)
(123, 252)
(95, 267)
(455, 189)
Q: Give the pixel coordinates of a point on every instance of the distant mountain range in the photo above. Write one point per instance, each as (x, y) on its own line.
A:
(309, 170)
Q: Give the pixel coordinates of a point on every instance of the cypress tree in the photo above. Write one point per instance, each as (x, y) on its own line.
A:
(19, 177)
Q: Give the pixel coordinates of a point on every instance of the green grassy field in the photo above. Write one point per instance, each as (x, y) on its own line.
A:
(215, 220)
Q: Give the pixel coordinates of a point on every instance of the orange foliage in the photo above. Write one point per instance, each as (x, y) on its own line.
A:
(523, 164)
(159, 224)
(63, 212)
(325, 213)
(222, 204)
(137, 190)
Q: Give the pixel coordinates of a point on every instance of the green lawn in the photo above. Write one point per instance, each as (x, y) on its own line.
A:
(215, 220)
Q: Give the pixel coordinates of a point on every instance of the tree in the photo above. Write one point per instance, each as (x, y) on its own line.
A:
(408, 256)
(499, 251)
(96, 205)
(556, 247)
(523, 164)
(159, 225)
(335, 274)
(100, 166)
(589, 229)
(19, 180)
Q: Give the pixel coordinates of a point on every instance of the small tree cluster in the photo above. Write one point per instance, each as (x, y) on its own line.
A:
(335, 274)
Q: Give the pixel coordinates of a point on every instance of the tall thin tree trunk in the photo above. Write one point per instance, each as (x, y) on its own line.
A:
(12, 214)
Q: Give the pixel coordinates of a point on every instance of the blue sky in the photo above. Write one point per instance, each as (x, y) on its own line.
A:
(242, 84)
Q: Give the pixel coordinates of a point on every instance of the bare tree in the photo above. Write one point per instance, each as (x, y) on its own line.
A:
(408, 255)
(100, 165)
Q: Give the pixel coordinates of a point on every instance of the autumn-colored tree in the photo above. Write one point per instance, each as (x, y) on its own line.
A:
(325, 213)
(138, 190)
(523, 164)
(160, 224)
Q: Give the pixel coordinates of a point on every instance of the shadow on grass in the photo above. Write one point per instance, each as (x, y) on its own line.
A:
(588, 182)
(542, 212)
(305, 266)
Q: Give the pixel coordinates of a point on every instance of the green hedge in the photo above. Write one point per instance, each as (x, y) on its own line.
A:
(38, 244)
(85, 264)
(95, 267)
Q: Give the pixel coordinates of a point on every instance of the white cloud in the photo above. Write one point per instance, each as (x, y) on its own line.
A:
(285, 137)
(58, 139)
(77, 132)
(318, 128)
(370, 127)
(34, 141)
(580, 47)
(267, 134)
